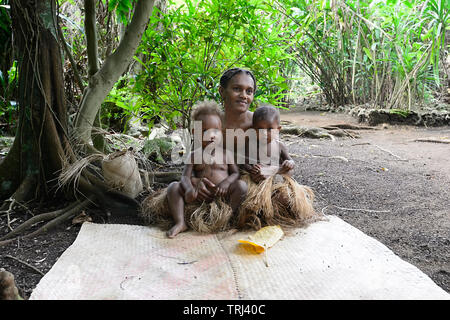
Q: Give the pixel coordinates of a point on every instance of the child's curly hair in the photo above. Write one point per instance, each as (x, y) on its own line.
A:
(206, 107)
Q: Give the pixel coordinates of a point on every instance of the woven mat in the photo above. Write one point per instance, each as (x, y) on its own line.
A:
(327, 260)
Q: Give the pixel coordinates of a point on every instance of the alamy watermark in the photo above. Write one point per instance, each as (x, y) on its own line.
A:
(258, 149)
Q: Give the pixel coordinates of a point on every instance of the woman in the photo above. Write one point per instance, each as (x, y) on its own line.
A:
(273, 199)
(237, 89)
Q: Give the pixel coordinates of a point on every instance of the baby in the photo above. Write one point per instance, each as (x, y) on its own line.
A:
(276, 158)
(274, 197)
(211, 165)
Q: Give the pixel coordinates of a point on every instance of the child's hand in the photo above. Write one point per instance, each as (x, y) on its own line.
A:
(222, 188)
(255, 173)
(255, 169)
(286, 166)
(205, 189)
(257, 177)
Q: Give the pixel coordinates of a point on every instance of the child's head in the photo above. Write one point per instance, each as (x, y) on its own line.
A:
(266, 117)
(209, 113)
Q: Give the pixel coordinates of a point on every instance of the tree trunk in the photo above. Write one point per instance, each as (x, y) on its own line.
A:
(114, 66)
(41, 141)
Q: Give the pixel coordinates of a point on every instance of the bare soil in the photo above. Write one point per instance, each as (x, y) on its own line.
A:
(392, 188)
(385, 184)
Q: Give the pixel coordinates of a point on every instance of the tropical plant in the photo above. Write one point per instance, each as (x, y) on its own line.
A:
(185, 50)
(8, 88)
(386, 53)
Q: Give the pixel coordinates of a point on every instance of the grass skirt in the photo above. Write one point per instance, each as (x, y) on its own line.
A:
(277, 200)
(203, 217)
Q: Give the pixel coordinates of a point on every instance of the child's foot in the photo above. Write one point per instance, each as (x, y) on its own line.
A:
(8, 289)
(176, 229)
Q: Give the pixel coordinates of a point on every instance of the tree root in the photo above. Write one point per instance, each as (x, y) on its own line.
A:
(432, 140)
(338, 132)
(164, 177)
(392, 154)
(37, 219)
(329, 132)
(57, 217)
(25, 263)
(350, 127)
(354, 209)
(316, 133)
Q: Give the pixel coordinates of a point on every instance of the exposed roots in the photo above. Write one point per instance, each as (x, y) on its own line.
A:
(55, 217)
(37, 219)
(327, 132)
(433, 140)
(8, 211)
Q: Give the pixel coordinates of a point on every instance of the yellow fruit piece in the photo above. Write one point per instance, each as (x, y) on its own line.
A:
(264, 238)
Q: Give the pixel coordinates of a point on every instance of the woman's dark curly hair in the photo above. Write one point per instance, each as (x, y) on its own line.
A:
(230, 73)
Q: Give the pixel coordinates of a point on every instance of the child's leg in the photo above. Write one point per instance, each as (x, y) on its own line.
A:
(238, 192)
(175, 197)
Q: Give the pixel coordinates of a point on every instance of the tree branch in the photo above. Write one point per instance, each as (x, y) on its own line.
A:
(113, 67)
(91, 37)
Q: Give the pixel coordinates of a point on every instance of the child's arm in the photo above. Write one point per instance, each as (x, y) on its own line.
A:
(246, 166)
(222, 187)
(233, 171)
(190, 193)
(202, 188)
(286, 162)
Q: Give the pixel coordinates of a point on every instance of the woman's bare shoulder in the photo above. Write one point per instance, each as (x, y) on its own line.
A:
(249, 121)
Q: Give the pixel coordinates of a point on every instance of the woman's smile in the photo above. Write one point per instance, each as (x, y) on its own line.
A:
(239, 92)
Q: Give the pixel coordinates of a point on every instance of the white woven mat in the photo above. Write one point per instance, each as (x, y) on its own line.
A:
(327, 260)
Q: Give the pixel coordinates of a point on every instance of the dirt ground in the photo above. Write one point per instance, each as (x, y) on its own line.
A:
(385, 184)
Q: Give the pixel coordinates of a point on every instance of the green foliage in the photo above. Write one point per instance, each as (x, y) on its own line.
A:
(7, 66)
(400, 112)
(384, 52)
(185, 50)
(158, 148)
(120, 105)
(122, 8)
(381, 52)
(8, 87)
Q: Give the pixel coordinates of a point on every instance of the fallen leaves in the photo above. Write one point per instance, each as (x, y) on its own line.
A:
(81, 218)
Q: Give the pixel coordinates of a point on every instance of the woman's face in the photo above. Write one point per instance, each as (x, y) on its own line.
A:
(239, 92)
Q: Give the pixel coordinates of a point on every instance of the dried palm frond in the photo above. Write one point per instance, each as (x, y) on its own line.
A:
(203, 217)
(71, 172)
(277, 200)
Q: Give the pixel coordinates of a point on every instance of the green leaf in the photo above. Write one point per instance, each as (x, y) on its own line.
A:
(368, 53)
